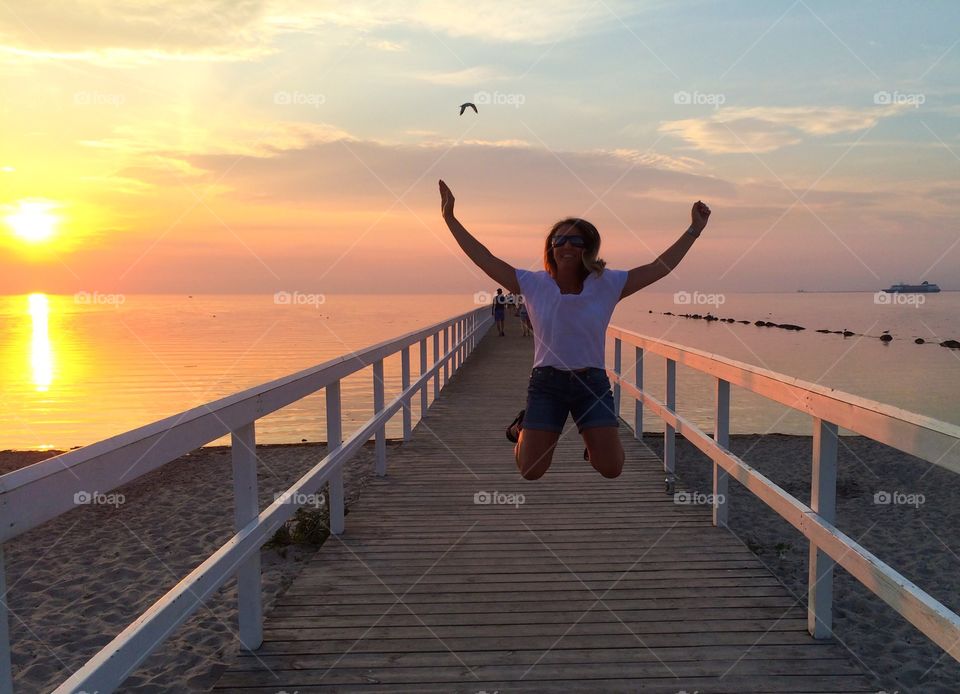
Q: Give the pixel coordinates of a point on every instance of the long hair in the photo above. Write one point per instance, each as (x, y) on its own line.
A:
(591, 263)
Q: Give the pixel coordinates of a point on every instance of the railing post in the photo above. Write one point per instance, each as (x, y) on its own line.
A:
(457, 334)
(617, 346)
(243, 442)
(823, 501)
(404, 384)
(436, 360)
(334, 441)
(637, 405)
(669, 432)
(423, 370)
(446, 348)
(721, 435)
(6, 668)
(381, 435)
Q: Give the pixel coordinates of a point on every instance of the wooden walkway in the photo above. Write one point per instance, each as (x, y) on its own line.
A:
(589, 584)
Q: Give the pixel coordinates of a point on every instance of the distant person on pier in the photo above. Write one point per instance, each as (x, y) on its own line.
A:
(499, 310)
(570, 304)
(525, 327)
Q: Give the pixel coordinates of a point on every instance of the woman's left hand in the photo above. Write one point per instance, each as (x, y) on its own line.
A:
(699, 215)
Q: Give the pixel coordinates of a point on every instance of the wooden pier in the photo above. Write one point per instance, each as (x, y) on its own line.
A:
(454, 574)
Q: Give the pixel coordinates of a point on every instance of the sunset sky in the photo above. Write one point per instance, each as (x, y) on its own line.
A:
(257, 145)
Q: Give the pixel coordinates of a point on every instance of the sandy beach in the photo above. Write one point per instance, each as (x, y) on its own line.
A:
(919, 537)
(77, 581)
(80, 579)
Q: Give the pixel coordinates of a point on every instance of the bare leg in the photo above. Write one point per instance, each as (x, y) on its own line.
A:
(534, 452)
(606, 451)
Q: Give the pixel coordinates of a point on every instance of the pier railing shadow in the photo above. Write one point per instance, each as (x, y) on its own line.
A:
(38, 493)
(924, 437)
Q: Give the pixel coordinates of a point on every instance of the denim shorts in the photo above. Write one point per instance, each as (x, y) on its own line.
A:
(553, 393)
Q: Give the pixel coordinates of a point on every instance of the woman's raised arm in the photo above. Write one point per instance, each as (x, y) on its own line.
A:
(500, 272)
(640, 277)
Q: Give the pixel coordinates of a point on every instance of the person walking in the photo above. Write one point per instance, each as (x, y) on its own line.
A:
(499, 310)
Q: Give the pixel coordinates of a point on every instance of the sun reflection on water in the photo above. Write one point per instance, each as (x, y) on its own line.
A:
(41, 352)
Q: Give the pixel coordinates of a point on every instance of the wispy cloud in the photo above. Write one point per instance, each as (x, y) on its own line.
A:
(767, 128)
(133, 32)
(467, 76)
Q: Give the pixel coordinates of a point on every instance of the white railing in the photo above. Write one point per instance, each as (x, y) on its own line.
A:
(923, 437)
(37, 493)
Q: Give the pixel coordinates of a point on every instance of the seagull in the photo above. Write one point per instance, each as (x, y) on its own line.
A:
(463, 107)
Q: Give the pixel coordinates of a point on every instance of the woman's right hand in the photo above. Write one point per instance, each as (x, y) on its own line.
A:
(446, 200)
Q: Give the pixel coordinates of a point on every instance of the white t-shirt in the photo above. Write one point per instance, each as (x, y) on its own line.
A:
(569, 330)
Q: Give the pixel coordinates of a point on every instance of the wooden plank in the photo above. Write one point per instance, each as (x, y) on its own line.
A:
(441, 656)
(588, 585)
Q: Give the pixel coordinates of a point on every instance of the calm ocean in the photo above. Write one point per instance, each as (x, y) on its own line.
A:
(75, 372)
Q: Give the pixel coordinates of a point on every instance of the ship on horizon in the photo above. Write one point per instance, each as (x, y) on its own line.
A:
(922, 288)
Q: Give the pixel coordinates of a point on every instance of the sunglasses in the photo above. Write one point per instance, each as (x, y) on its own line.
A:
(575, 241)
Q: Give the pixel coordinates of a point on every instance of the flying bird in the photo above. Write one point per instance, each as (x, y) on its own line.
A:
(463, 107)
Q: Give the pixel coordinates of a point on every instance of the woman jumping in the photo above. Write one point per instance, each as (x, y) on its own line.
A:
(570, 305)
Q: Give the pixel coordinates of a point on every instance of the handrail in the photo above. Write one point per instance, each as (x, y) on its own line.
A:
(37, 493)
(921, 436)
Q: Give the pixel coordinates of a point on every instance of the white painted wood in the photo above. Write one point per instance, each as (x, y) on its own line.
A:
(637, 405)
(243, 447)
(436, 360)
(457, 353)
(6, 668)
(931, 617)
(617, 369)
(927, 438)
(334, 441)
(669, 438)
(123, 458)
(721, 434)
(110, 463)
(381, 435)
(404, 384)
(446, 350)
(823, 501)
(120, 459)
(114, 663)
(424, 392)
(459, 340)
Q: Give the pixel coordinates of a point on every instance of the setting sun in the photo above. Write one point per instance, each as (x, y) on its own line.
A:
(33, 221)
